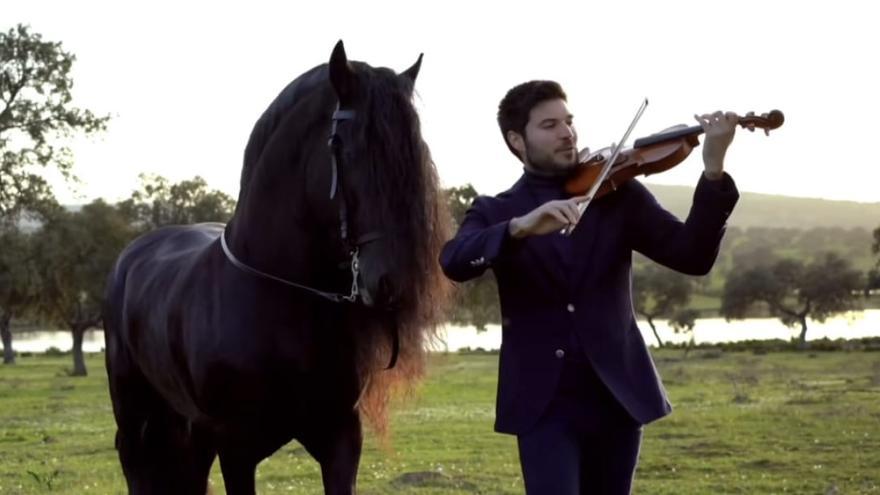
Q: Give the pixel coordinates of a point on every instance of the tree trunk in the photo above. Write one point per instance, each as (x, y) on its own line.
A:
(690, 345)
(79, 362)
(6, 334)
(654, 329)
(803, 338)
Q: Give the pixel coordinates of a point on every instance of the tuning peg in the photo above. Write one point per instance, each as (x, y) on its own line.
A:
(751, 124)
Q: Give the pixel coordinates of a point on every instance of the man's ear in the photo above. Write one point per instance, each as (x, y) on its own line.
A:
(517, 142)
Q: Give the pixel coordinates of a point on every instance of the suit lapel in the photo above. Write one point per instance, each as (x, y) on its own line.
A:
(585, 236)
(544, 249)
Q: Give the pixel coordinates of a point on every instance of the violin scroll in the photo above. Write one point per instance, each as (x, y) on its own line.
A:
(766, 121)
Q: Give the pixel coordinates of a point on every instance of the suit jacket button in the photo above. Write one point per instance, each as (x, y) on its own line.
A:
(560, 353)
(570, 308)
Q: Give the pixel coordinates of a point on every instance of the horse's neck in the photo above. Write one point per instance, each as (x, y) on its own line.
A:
(271, 225)
(267, 233)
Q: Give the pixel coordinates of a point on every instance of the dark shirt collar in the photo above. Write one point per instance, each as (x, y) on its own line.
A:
(545, 185)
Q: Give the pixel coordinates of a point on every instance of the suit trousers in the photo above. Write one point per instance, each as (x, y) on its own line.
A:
(585, 442)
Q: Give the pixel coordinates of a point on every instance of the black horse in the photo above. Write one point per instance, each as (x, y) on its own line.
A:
(232, 341)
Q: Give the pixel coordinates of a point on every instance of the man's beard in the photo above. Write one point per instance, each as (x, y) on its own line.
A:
(547, 165)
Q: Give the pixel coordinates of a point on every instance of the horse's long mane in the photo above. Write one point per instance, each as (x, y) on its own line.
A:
(412, 205)
(412, 211)
(266, 125)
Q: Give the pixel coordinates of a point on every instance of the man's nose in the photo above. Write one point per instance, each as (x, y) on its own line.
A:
(567, 131)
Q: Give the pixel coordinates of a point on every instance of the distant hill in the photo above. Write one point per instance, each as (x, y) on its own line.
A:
(753, 210)
(768, 210)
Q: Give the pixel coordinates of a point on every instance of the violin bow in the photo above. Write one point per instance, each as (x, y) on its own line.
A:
(582, 206)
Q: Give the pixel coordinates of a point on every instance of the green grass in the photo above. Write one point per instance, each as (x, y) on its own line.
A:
(752, 424)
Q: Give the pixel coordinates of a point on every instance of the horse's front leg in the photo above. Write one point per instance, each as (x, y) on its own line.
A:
(338, 451)
(239, 472)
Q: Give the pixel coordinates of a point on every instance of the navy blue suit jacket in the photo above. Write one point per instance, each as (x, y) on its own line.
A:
(544, 300)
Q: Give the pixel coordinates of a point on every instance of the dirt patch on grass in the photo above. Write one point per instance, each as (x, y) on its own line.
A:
(432, 479)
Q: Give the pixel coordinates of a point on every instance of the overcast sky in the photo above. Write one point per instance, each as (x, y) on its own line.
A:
(185, 81)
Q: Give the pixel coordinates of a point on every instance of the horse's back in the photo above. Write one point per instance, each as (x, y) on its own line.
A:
(164, 250)
(171, 242)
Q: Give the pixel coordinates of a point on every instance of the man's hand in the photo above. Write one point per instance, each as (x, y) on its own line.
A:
(551, 216)
(719, 128)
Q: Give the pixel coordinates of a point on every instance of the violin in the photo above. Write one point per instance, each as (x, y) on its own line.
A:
(651, 155)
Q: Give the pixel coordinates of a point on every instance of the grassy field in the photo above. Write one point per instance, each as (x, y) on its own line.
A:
(744, 423)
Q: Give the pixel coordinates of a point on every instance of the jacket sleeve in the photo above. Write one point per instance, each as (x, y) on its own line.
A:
(478, 245)
(691, 246)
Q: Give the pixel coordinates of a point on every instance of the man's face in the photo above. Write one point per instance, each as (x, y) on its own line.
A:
(550, 141)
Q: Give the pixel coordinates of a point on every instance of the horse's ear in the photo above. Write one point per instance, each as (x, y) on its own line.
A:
(413, 71)
(341, 73)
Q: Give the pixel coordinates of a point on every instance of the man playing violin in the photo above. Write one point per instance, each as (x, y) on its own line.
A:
(576, 382)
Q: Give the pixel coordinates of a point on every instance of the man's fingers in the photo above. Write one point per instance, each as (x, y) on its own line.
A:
(570, 210)
(573, 213)
(557, 215)
(716, 117)
(562, 213)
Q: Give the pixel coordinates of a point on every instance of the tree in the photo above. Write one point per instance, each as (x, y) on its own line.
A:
(793, 291)
(76, 253)
(875, 247)
(160, 203)
(874, 273)
(18, 283)
(476, 301)
(35, 114)
(460, 200)
(659, 292)
(873, 281)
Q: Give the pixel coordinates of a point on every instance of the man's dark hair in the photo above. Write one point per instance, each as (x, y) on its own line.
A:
(513, 111)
